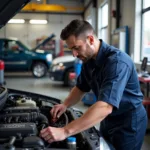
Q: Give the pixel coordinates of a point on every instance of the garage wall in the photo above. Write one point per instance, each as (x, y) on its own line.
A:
(128, 18)
(29, 33)
(127, 11)
(2, 32)
(90, 16)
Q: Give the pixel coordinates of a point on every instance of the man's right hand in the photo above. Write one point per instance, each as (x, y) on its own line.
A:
(58, 110)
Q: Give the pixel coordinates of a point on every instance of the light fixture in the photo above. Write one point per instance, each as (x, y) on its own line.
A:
(38, 21)
(16, 21)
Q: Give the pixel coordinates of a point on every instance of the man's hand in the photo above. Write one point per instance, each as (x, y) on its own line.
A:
(52, 134)
(57, 111)
(75, 96)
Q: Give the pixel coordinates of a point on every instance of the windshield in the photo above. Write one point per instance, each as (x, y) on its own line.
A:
(23, 46)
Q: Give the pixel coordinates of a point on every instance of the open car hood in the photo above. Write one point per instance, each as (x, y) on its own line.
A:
(8, 8)
(42, 43)
(24, 114)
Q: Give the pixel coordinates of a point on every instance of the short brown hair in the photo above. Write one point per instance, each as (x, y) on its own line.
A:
(75, 27)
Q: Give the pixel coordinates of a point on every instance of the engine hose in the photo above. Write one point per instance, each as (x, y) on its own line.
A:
(4, 140)
(42, 119)
(12, 140)
(66, 118)
(41, 127)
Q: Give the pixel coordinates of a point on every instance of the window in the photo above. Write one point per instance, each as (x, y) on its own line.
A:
(10, 45)
(103, 22)
(145, 42)
(146, 3)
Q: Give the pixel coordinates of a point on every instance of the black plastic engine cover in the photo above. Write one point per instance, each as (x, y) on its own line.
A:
(3, 96)
(33, 142)
(21, 109)
(20, 126)
(15, 129)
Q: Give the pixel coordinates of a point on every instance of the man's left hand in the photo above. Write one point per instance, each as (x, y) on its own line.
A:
(52, 134)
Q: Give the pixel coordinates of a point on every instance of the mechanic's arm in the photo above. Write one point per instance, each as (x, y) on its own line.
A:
(75, 96)
(92, 116)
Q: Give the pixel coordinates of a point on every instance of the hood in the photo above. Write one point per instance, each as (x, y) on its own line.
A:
(40, 51)
(43, 52)
(44, 41)
(9, 8)
(63, 59)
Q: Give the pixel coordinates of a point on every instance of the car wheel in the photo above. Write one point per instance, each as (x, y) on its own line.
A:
(39, 69)
(66, 78)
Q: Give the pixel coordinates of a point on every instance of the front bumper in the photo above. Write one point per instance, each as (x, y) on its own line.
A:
(56, 76)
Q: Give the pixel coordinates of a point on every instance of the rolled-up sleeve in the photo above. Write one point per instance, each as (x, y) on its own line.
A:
(116, 74)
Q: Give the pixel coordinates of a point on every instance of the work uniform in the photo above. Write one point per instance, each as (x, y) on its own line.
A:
(113, 79)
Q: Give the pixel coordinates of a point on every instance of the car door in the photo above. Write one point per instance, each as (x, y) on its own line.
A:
(14, 56)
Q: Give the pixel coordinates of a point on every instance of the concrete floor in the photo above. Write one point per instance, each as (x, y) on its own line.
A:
(47, 87)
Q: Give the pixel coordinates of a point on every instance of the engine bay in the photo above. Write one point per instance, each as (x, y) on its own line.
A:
(23, 115)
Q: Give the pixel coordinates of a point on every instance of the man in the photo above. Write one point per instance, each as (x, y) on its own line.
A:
(112, 76)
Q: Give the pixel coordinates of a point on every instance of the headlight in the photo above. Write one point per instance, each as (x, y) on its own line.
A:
(49, 57)
(59, 66)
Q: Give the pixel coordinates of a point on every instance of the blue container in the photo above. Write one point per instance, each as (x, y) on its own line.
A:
(71, 142)
(77, 66)
(89, 98)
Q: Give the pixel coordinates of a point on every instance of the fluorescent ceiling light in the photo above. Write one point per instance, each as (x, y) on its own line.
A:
(38, 21)
(16, 21)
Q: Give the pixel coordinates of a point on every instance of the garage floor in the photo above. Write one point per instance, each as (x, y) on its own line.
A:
(47, 87)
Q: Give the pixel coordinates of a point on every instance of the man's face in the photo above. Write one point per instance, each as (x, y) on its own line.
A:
(80, 47)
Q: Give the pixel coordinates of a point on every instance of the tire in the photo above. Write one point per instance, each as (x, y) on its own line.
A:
(66, 78)
(39, 69)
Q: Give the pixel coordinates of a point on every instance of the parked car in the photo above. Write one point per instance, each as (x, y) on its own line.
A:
(18, 57)
(61, 67)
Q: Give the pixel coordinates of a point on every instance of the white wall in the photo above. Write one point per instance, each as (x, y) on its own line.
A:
(90, 14)
(2, 32)
(29, 33)
(112, 22)
(86, 2)
(127, 12)
(128, 18)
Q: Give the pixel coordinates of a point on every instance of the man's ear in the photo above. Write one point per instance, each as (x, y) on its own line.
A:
(90, 39)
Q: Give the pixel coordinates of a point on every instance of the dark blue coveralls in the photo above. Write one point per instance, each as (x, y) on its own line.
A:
(113, 79)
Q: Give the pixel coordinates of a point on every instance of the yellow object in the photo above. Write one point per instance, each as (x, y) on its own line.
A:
(44, 7)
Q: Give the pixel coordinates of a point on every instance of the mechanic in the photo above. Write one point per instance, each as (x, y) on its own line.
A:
(112, 76)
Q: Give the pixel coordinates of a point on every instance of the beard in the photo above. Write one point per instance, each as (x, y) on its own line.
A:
(87, 55)
(84, 59)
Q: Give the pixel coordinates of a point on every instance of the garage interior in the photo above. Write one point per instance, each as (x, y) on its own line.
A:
(109, 18)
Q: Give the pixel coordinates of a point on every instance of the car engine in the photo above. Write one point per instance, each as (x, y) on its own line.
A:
(24, 114)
